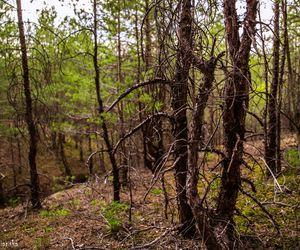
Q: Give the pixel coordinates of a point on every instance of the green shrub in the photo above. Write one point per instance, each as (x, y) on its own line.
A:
(14, 201)
(60, 212)
(113, 215)
(292, 157)
(156, 191)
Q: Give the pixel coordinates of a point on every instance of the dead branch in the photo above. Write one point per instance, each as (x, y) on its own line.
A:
(157, 239)
(135, 129)
(136, 86)
(274, 222)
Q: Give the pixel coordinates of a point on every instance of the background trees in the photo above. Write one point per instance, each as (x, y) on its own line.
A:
(182, 93)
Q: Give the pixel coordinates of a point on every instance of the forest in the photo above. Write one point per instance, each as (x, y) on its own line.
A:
(155, 124)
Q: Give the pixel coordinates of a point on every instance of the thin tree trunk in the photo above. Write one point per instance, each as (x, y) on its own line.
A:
(115, 170)
(179, 90)
(271, 150)
(62, 155)
(124, 162)
(200, 214)
(81, 149)
(19, 155)
(34, 178)
(91, 163)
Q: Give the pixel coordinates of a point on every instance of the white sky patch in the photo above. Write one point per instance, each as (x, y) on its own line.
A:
(65, 8)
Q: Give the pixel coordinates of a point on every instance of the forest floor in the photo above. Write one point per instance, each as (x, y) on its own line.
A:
(83, 216)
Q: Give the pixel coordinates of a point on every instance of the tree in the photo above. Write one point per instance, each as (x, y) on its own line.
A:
(236, 101)
(35, 188)
(271, 152)
(115, 169)
(179, 92)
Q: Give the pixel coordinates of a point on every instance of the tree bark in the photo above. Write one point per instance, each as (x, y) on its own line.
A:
(34, 178)
(201, 215)
(62, 155)
(179, 90)
(115, 169)
(271, 150)
(236, 97)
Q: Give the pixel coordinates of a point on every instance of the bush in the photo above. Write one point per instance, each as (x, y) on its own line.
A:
(113, 214)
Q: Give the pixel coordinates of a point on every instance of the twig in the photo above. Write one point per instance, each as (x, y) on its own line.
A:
(275, 180)
(136, 86)
(157, 239)
(72, 242)
(274, 222)
(136, 128)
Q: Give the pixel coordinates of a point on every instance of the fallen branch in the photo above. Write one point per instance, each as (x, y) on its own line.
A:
(157, 239)
(274, 222)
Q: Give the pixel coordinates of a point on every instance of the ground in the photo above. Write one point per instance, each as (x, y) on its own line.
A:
(83, 216)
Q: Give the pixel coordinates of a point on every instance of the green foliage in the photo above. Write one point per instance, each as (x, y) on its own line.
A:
(60, 212)
(42, 242)
(113, 214)
(156, 191)
(48, 229)
(28, 227)
(14, 201)
(209, 156)
(292, 157)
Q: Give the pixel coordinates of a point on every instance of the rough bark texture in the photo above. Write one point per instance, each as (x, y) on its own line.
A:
(115, 170)
(271, 149)
(179, 91)
(34, 178)
(201, 216)
(235, 109)
(62, 155)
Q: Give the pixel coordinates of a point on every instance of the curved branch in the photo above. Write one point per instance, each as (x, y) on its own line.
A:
(135, 129)
(136, 86)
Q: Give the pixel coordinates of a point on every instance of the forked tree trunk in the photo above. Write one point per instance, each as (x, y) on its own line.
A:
(201, 215)
(179, 90)
(34, 178)
(236, 98)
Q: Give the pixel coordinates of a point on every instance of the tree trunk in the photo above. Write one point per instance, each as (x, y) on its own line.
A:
(91, 163)
(271, 150)
(19, 155)
(62, 155)
(81, 149)
(115, 169)
(34, 178)
(201, 216)
(179, 90)
(236, 98)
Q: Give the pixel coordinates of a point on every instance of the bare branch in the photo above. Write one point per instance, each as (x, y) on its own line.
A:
(135, 129)
(136, 86)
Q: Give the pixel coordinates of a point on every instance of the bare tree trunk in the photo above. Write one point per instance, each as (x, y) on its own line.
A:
(34, 178)
(81, 149)
(91, 163)
(271, 150)
(115, 169)
(62, 155)
(235, 108)
(19, 155)
(13, 165)
(124, 162)
(179, 90)
(201, 216)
